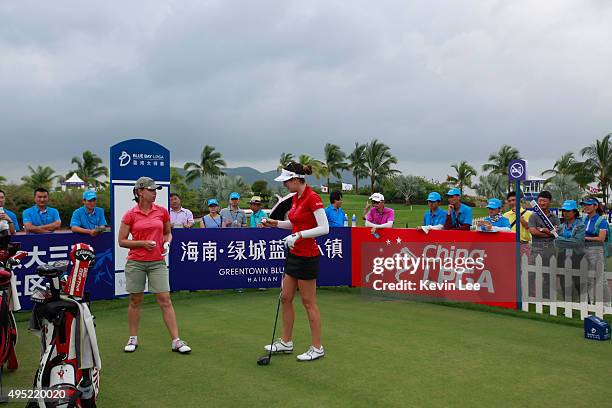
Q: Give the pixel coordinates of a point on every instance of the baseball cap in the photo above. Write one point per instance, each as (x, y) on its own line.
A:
(255, 200)
(89, 195)
(454, 192)
(494, 203)
(377, 197)
(234, 196)
(212, 202)
(590, 201)
(433, 196)
(146, 182)
(569, 205)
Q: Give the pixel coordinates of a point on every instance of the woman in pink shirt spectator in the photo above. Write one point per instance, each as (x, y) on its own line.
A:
(376, 215)
(149, 225)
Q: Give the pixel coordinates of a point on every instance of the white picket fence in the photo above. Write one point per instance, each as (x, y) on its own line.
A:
(585, 305)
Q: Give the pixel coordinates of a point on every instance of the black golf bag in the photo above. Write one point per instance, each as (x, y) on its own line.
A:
(69, 359)
(10, 257)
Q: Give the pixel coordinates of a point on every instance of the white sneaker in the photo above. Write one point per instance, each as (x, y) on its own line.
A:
(279, 346)
(180, 347)
(131, 345)
(312, 354)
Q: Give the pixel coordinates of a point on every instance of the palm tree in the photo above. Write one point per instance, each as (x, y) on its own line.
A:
(491, 185)
(499, 162)
(563, 187)
(210, 164)
(317, 166)
(220, 187)
(567, 165)
(89, 168)
(335, 161)
(599, 162)
(2, 180)
(378, 162)
(39, 177)
(465, 172)
(285, 159)
(357, 164)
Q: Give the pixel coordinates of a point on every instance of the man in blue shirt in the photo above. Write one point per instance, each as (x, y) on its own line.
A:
(7, 217)
(257, 214)
(88, 219)
(435, 217)
(495, 222)
(40, 219)
(334, 212)
(459, 215)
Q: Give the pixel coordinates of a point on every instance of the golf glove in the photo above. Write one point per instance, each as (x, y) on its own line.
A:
(290, 240)
(166, 248)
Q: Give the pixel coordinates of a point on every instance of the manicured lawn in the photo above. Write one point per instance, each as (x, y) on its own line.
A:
(379, 353)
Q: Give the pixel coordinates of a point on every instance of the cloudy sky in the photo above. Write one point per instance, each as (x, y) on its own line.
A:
(438, 81)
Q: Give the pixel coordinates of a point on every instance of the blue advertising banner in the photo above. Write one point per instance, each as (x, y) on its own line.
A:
(249, 258)
(55, 247)
(135, 158)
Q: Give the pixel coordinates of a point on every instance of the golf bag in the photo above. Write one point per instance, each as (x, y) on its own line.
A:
(10, 257)
(69, 360)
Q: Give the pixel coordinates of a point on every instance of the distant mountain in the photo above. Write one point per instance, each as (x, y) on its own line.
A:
(250, 175)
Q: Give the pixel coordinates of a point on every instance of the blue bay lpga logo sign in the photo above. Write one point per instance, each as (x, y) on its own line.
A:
(135, 158)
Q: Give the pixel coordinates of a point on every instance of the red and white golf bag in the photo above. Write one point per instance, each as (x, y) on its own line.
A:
(70, 359)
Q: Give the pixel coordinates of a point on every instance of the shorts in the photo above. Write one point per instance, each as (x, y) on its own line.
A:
(302, 267)
(138, 272)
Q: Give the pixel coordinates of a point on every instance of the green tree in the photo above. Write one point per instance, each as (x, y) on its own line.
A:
(409, 186)
(379, 162)
(210, 164)
(567, 165)
(599, 162)
(491, 185)
(463, 177)
(2, 180)
(499, 162)
(39, 177)
(220, 187)
(177, 182)
(318, 167)
(357, 164)
(89, 168)
(285, 159)
(335, 161)
(563, 187)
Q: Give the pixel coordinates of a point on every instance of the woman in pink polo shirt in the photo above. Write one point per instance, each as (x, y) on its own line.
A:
(149, 225)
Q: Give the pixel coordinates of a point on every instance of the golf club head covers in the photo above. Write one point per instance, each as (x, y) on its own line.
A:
(82, 258)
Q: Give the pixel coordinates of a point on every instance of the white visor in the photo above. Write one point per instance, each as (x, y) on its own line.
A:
(288, 175)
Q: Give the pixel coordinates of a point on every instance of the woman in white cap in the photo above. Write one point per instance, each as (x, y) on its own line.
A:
(376, 215)
(307, 220)
(149, 225)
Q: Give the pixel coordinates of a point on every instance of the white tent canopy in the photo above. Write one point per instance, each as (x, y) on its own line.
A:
(74, 180)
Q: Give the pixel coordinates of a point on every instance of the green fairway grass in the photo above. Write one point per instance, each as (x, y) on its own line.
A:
(404, 214)
(379, 353)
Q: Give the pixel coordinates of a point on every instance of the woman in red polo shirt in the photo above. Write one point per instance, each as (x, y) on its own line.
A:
(149, 225)
(307, 220)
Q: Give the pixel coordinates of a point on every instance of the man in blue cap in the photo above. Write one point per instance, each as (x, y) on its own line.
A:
(435, 217)
(233, 216)
(88, 219)
(459, 215)
(571, 234)
(495, 222)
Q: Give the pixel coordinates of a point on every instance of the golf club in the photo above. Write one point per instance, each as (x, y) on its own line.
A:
(265, 360)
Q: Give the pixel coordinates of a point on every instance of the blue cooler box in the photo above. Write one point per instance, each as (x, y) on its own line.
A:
(596, 329)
